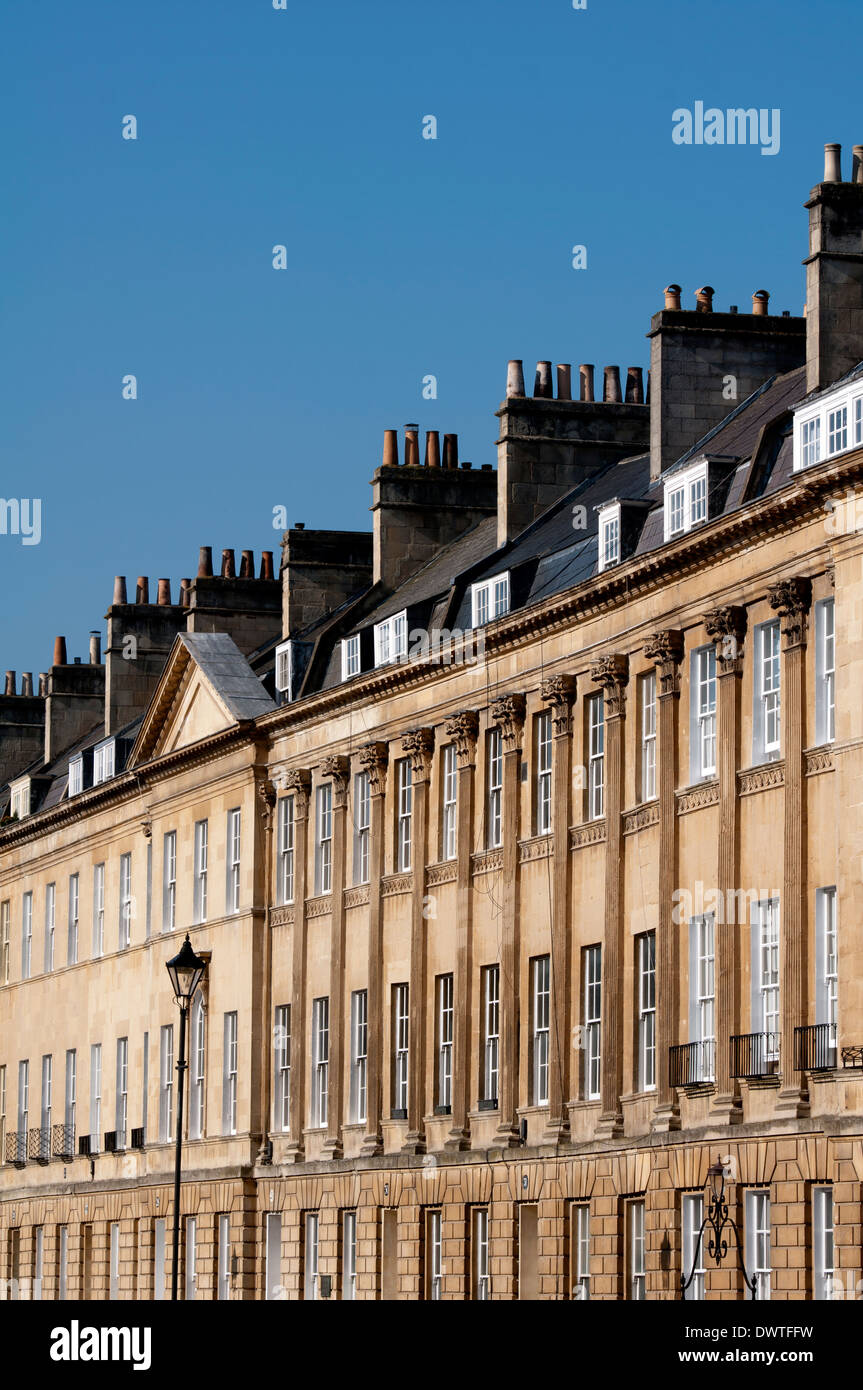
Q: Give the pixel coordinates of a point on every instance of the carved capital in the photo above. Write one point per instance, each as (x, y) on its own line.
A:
(373, 758)
(147, 828)
(463, 728)
(726, 628)
(612, 673)
(559, 693)
(418, 745)
(337, 768)
(791, 600)
(266, 796)
(665, 649)
(507, 712)
(297, 780)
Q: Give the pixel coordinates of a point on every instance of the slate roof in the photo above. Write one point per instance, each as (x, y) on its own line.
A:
(229, 673)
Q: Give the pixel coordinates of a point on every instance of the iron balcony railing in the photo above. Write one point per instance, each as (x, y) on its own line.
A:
(39, 1144)
(63, 1142)
(692, 1064)
(754, 1055)
(815, 1047)
(16, 1147)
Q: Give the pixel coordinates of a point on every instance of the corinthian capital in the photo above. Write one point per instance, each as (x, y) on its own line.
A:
(791, 599)
(463, 728)
(507, 712)
(418, 745)
(559, 692)
(612, 673)
(373, 758)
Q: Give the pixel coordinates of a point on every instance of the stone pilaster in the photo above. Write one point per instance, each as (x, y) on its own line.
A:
(373, 760)
(791, 600)
(612, 674)
(462, 729)
(418, 746)
(665, 649)
(559, 692)
(299, 783)
(337, 770)
(507, 712)
(262, 982)
(726, 628)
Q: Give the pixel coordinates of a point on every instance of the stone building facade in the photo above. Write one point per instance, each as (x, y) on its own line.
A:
(509, 939)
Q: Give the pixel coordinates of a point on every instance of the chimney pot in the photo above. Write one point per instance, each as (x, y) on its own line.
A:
(585, 381)
(185, 593)
(486, 468)
(120, 589)
(27, 683)
(832, 163)
(299, 526)
(635, 385)
(465, 464)
(205, 562)
(515, 377)
(732, 308)
(77, 661)
(857, 164)
(564, 381)
(247, 564)
(164, 593)
(142, 589)
(10, 683)
(95, 649)
(450, 451)
(43, 684)
(672, 296)
(391, 449)
(412, 446)
(704, 299)
(432, 449)
(611, 384)
(228, 570)
(759, 302)
(542, 388)
(59, 652)
(266, 564)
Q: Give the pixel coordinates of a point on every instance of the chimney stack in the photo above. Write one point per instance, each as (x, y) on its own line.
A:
(542, 389)
(391, 449)
(834, 273)
(120, 589)
(611, 384)
(432, 449)
(10, 683)
(564, 381)
(635, 386)
(515, 378)
(759, 303)
(142, 589)
(205, 562)
(95, 649)
(585, 381)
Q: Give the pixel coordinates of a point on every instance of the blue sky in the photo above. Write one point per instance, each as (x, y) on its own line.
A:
(259, 388)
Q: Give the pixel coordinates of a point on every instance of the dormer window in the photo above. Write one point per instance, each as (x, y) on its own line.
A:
(19, 805)
(685, 500)
(284, 671)
(489, 600)
(103, 762)
(609, 537)
(829, 426)
(76, 775)
(391, 639)
(350, 656)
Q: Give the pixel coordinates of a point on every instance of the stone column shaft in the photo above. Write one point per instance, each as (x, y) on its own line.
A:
(373, 759)
(298, 782)
(612, 673)
(338, 770)
(462, 728)
(508, 713)
(559, 692)
(418, 747)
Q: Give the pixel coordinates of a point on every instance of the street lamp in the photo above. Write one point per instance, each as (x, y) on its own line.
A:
(186, 971)
(718, 1219)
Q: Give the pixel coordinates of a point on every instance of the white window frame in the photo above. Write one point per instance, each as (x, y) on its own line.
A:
(647, 1011)
(23, 1103)
(481, 1266)
(19, 799)
(230, 1073)
(121, 1111)
(637, 1266)
(692, 1216)
(827, 963)
(494, 788)
(544, 745)
(825, 670)
(685, 501)
(648, 736)
(114, 1278)
(703, 669)
(350, 656)
(359, 1055)
(489, 599)
(435, 1251)
(223, 1273)
(311, 1283)
(768, 677)
(702, 966)
(73, 920)
(401, 1049)
(837, 429)
(95, 1098)
(202, 849)
(758, 1239)
(581, 1248)
(191, 1259)
(282, 1069)
(27, 935)
(324, 839)
(98, 910)
(404, 814)
(273, 1288)
(125, 901)
(609, 551)
(287, 831)
(320, 1061)
(198, 1059)
(349, 1255)
(169, 880)
(810, 442)
(391, 639)
(76, 776)
(63, 1260)
(592, 1022)
(490, 1034)
(823, 1252)
(595, 757)
(70, 1107)
(284, 670)
(103, 761)
(766, 975)
(47, 1093)
(362, 826)
(232, 859)
(445, 1033)
(3, 1111)
(449, 844)
(540, 1024)
(5, 928)
(50, 925)
(166, 1083)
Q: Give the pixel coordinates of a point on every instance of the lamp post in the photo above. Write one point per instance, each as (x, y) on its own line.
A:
(718, 1219)
(187, 972)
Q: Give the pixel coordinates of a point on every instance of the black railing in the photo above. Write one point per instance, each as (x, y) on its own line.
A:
(754, 1055)
(815, 1047)
(138, 1138)
(39, 1144)
(111, 1145)
(692, 1064)
(84, 1146)
(852, 1056)
(63, 1142)
(16, 1147)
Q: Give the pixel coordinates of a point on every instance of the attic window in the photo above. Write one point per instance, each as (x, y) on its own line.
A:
(20, 799)
(685, 500)
(283, 671)
(609, 537)
(489, 600)
(350, 656)
(76, 776)
(103, 762)
(831, 426)
(391, 638)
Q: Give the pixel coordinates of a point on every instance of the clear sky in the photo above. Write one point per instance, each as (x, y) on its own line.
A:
(405, 256)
